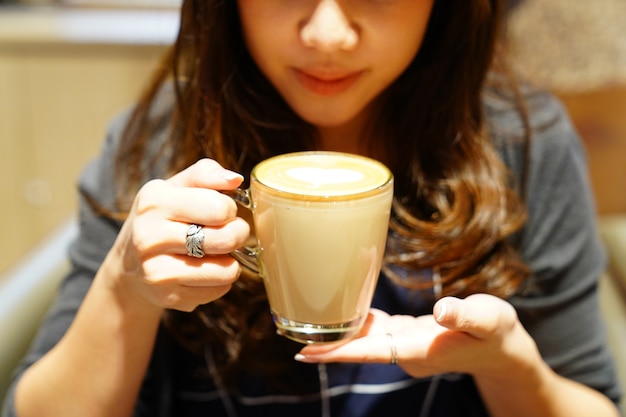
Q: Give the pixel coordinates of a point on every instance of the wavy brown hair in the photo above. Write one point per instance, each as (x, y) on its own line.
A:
(455, 210)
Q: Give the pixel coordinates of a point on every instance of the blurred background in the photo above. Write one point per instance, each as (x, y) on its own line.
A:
(577, 50)
(68, 66)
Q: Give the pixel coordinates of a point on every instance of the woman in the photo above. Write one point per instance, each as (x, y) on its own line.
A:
(490, 302)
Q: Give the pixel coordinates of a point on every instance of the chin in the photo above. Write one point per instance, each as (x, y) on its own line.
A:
(328, 124)
(328, 120)
(334, 113)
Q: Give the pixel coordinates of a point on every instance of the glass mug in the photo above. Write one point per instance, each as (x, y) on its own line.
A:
(321, 221)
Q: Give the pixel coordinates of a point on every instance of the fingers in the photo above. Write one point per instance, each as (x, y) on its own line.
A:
(400, 339)
(373, 349)
(163, 211)
(157, 236)
(479, 315)
(457, 331)
(194, 205)
(191, 272)
(182, 283)
(151, 245)
(372, 345)
(207, 173)
(185, 204)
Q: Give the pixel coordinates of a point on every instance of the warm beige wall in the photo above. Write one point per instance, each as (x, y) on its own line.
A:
(600, 117)
(55, 102)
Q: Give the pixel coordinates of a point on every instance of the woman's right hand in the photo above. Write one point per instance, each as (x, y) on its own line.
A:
(149, 258)
(147, 269)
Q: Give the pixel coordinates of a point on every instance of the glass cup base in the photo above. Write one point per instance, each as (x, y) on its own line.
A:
(308, 333)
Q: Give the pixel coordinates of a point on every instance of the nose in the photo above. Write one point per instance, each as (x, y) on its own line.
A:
(329, 29)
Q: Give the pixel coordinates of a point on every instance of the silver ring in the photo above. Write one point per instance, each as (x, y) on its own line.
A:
(394, 350)
(194, 241)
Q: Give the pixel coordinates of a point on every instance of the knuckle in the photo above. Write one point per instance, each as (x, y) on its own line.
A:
(240, 234)
(227, 238)
(509, 318)
(223, 241)
(147, 196)
(152, 279)
(204, 165)
(235, 271)
(465, 323)
(228, 268)
(229, 271)
(142, 241)
(173, 301)
(223, 207)
(207, 163)
(219, 292)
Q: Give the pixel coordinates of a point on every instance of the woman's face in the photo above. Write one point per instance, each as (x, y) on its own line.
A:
(330, 58)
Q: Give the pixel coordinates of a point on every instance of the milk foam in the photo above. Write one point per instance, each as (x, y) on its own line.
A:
(322, 174)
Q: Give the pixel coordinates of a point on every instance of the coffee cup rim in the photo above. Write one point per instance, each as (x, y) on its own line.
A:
(362, 193)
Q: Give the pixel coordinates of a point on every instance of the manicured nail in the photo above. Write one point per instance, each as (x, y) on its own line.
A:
(299, 357)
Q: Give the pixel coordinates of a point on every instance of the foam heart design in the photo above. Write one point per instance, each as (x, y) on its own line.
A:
(322, 176)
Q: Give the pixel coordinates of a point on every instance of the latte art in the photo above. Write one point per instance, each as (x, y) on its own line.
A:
(323, 174)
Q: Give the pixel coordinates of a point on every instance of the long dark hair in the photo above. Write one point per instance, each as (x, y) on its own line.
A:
(455, 208)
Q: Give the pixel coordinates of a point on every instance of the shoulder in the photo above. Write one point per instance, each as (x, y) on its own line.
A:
(536, 115)
(503, 109)
(535, 137)
(551, 161)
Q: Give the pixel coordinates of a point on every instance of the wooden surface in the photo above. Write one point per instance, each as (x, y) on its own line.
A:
(55, 104)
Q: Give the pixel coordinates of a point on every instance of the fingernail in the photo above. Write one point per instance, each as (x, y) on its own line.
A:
(230, 176)
(299, 357)
(443, 310)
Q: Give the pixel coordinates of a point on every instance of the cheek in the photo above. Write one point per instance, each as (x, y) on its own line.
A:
(265, 37)
(404, 51)
(402, 40)
(412, 23)
(254, 24)
(264, 51)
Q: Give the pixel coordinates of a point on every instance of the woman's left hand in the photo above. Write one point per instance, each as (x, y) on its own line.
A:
(480, 335)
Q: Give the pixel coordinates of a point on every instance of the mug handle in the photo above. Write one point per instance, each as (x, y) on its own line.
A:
(247, 255)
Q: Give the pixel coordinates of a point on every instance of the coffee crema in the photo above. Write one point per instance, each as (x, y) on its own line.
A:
(322, 174)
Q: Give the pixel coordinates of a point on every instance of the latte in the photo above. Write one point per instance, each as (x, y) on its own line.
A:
(321, 222)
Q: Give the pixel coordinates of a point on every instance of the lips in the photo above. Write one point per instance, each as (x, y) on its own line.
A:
(325, 83)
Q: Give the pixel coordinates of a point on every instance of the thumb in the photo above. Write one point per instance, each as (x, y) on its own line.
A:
(207, 173)
(480, 315)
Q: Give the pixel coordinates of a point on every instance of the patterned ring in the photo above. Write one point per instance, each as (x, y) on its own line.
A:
(194, 241)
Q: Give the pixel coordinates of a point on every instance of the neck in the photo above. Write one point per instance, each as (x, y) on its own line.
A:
(351, 137)
(342, 139)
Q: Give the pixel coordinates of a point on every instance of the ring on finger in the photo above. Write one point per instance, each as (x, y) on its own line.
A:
(194, 241)
(393, 348)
